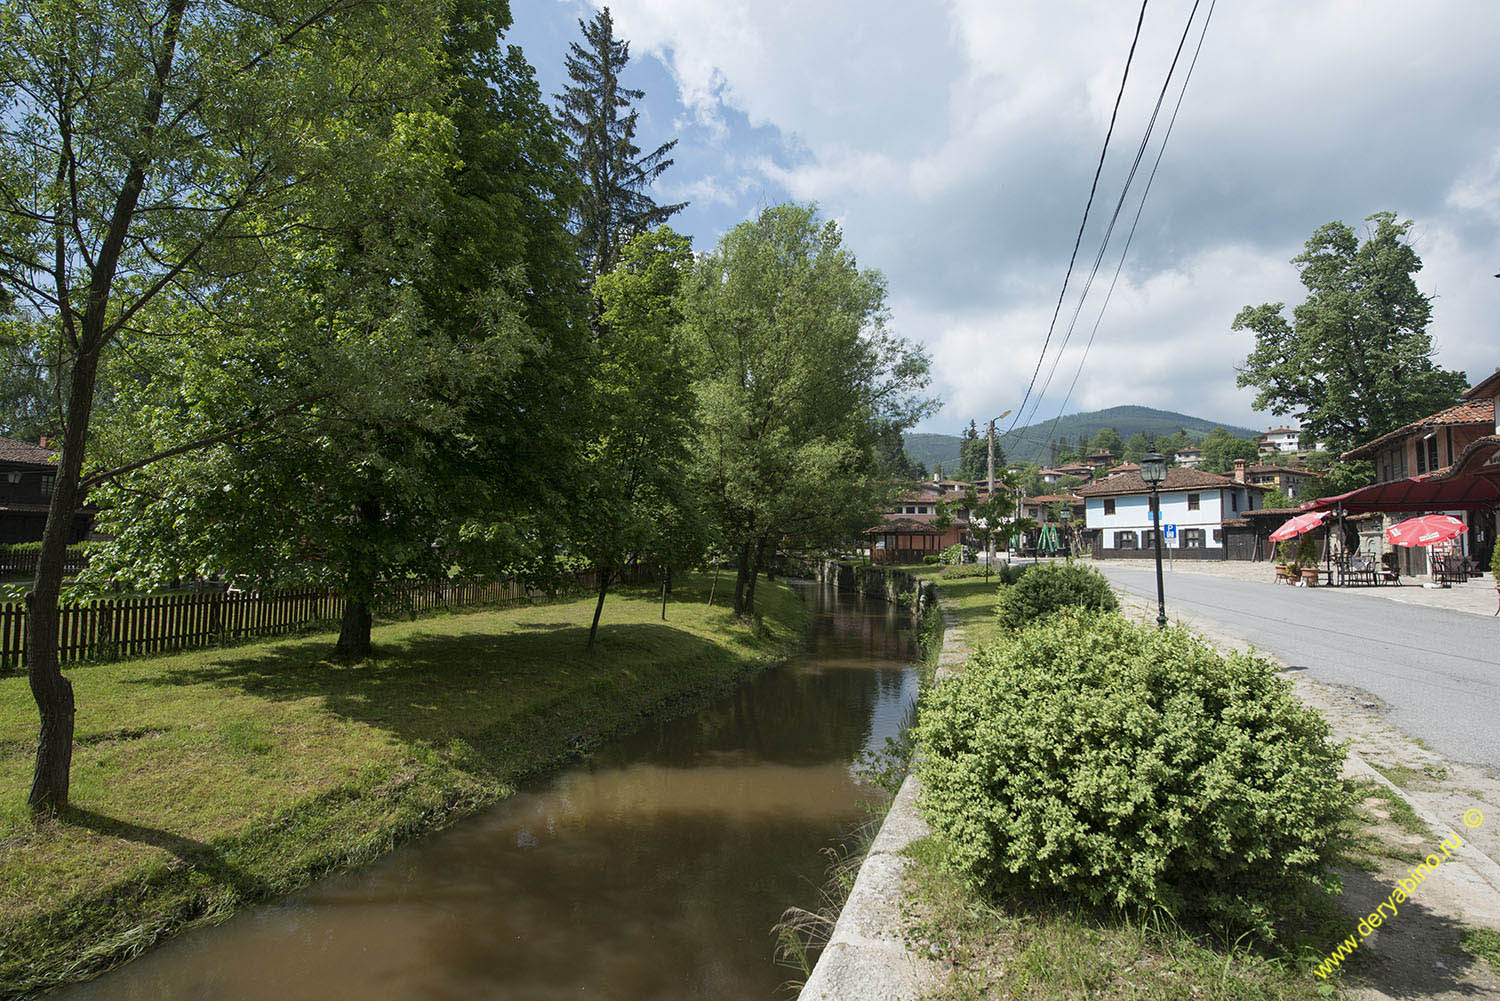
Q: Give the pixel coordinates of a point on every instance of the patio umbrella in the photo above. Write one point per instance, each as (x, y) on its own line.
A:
(1428, 530)
(1298, 525)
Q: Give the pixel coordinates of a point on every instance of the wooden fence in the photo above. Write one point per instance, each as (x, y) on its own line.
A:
(109, 629)
(22, 562)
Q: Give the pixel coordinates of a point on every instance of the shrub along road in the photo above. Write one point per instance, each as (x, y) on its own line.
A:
(210, 779)
(1434, 669)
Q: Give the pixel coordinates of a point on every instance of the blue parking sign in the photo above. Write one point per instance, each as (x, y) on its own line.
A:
(1171, 531)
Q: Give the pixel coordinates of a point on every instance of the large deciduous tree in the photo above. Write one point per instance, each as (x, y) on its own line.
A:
(636, 500)
(433, 317)
(146, 147)
(798, 380)
(598, 117)
(1355, 361)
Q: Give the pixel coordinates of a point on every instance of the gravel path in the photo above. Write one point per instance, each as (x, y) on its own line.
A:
(1434, 672)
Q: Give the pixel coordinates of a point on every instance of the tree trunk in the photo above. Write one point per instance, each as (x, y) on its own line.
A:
(604, 576)
(741, 577)
(53, 692)
(354, 630)
(760, 551)
(359, 600)
(666, 578)
(714, 589)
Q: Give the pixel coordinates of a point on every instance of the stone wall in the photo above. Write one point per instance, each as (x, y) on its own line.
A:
(899, 586)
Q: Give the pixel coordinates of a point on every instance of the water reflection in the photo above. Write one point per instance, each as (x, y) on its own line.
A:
(654, 870)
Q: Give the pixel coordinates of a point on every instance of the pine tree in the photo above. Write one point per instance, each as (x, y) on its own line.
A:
(596, 114)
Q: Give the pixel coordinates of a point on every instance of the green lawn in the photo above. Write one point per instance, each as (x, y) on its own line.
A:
(973, 600)
(205, 780)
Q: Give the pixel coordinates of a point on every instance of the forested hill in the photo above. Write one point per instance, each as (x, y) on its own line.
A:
(1029, 444)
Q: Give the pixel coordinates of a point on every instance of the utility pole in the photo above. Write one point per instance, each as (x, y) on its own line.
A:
(989, 536)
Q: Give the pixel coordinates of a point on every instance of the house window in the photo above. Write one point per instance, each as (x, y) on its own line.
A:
(1148, 539)
(1432, 455)
(47, 480)
(1219, 536)
(1234, 500)
(1192, 538)
(1193, 501)
(1125, 540)
(1109, 505)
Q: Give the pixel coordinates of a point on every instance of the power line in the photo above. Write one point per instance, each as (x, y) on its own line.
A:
(1146, 193)
(1078, 241)
(1120, 202)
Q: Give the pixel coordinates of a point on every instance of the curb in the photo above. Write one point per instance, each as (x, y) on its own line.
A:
(867, 958)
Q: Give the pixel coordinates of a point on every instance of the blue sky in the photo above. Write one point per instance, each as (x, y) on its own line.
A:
(955, 141)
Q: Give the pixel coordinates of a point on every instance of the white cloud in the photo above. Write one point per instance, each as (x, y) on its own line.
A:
(957, 140)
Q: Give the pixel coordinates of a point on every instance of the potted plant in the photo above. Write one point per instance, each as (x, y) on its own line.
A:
(1307, 560)
(1287, 561)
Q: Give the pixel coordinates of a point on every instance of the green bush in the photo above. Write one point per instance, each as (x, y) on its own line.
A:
(1307, 551)
(930, 559)
(965, 572)
(1495, 563)
(953, 555)
(1129, 767)
(1049, 587)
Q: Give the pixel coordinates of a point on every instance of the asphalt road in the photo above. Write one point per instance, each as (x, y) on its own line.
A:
(1437, 670)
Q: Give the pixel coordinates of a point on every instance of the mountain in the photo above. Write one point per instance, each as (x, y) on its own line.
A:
(1029, 444)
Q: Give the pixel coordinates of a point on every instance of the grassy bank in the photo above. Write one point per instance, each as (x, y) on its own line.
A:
(207, 780)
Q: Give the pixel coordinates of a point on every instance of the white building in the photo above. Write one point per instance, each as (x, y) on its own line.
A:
(1197, 503)
(1191, 457)
(1281, 440)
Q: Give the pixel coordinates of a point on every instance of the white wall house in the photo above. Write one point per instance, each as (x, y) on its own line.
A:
(1198, 503)
(1281, 439)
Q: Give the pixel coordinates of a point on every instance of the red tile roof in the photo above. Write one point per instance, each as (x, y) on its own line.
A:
(1283, 469)
(1178, 478)
(26, 452)
(1051, 499)
(1468, 412)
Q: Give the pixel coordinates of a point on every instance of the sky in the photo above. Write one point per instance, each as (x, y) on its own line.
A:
(955, 142)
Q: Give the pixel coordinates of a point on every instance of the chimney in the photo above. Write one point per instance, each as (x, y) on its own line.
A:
(1239, 470)
(45, 441)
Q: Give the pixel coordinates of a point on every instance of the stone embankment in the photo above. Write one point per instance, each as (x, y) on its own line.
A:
(901, 587)
(867, 957)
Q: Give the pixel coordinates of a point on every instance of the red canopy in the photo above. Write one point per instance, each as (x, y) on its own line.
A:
(1472, 483)
(1296, 526)
(1428, 530)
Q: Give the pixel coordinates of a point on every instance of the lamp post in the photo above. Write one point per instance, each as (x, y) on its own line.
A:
(1153, 472)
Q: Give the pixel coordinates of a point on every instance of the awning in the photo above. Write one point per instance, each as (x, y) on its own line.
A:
(1472, 482)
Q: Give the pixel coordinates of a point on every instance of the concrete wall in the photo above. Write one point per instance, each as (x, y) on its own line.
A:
(899, 586)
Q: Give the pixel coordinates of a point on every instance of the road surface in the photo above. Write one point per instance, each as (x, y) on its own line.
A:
(1437, 671)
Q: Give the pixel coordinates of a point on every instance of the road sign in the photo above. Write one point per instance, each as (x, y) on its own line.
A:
(1171, 531)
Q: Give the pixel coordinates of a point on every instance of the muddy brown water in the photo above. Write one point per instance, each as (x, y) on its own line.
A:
(654, 870)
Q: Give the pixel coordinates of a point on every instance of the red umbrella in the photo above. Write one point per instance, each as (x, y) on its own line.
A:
(1428, 530)
(1298, 525)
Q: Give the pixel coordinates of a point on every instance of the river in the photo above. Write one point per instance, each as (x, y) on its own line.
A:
(655, 869)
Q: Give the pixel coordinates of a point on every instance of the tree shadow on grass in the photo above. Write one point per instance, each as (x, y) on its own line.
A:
(510, 696)
(195, 854)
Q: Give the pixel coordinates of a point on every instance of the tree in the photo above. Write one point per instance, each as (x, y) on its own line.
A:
(973, 455)
(615, 206)
(1356, 359)
(797, 378)
(387, 473)
(636, 492)
(1276, 499)
(1137, 447)
(143, 150)
(890, 449)
(1220, 449)
(1107, 440)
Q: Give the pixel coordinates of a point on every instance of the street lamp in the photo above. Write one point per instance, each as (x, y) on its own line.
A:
(1153, 472)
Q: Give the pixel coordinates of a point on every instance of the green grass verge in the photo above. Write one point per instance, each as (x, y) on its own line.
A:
(1484, 943)
(206, 780)
(1057, 953)
(973, 601)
